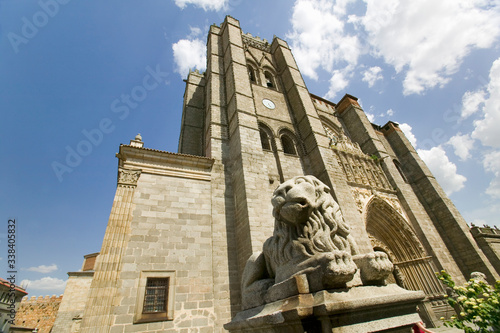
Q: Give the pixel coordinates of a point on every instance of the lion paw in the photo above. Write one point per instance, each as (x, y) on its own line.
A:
(374, 267)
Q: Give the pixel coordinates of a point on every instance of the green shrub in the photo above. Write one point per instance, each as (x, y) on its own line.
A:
(477, 303)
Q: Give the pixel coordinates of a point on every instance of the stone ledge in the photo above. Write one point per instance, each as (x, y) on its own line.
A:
(85, 273)
(165, 163)
(358, 309)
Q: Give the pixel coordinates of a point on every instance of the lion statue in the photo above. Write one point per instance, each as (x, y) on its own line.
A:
(310, 250)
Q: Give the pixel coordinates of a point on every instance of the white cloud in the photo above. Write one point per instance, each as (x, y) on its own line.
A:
(409, 135)
(338, 82)
(205, 4)
(43, 269)
(443, 169)
(195, 31)
(189, 54)
(372, 74)
(462, 145)
(371, 117)
(486, 129)
(491, 163)
(390, 112)
(471, 101)
(424, 40)
(429, 39)
(319, 41)
(45, 283)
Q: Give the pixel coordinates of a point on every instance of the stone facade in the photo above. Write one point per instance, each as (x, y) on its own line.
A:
(191, 220)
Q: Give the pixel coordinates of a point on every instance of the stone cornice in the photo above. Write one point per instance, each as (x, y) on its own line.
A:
(86, 273)
(159, 162)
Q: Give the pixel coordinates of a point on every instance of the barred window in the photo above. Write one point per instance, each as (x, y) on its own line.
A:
(156, 295)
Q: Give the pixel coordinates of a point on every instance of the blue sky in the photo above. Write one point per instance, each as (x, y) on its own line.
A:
(84, 76)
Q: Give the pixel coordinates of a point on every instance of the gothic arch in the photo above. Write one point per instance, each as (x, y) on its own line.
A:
(267, 137)
(388, 228)
(270, 78)
(287, 137)
(329, 124)
(253, 71)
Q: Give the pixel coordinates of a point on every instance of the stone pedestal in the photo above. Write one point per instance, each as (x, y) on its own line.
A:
(353, 310)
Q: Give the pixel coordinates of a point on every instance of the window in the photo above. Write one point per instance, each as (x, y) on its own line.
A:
(269, 80)
(264, 140)
(288, 145)
(251, 74)
(155, 297)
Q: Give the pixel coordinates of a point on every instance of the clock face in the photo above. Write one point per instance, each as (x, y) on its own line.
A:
(268, 103)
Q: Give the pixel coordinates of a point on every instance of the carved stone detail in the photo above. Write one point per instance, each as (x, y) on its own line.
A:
(363, 195)
(311, 248)
(358, 167)
(249, 40)
(127, 177)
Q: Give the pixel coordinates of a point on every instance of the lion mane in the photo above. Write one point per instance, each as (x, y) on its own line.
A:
(308, 221)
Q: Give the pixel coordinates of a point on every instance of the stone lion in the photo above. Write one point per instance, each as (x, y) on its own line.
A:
(310, 250)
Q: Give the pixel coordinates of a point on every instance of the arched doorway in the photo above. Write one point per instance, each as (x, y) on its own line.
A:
(390, 233)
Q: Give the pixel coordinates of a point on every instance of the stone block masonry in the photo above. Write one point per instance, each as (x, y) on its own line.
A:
(38, 312)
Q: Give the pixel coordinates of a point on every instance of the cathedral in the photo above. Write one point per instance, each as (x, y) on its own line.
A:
(183, 225)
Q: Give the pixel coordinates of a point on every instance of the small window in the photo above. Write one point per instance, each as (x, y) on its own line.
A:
(155, 297)
(269, 80)
(251, 74)
(264, 140)
(288, 145)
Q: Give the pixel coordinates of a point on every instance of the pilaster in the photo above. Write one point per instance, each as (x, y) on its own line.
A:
(97, 317)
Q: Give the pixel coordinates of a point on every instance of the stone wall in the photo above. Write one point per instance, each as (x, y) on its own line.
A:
(38, 312)
(73, 304)
(170, 231)
(488, 240)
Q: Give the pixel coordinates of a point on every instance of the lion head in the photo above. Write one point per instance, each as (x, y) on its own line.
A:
(294, 200)
(308, 221)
